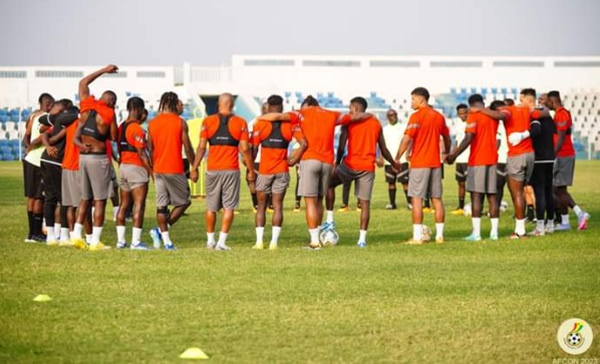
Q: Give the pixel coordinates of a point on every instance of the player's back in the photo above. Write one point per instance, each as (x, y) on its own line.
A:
(362, 144)
(166, 133)
(426, 126)
(318, 126)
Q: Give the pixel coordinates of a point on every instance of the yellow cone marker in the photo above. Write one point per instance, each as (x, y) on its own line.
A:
(42, 298)
(193, 353)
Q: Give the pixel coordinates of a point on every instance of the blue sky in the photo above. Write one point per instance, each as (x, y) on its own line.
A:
(208, 32)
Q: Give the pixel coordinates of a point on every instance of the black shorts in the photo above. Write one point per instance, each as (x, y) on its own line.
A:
(52, 175)
(391, 177)
(33, 181)
(461, 172)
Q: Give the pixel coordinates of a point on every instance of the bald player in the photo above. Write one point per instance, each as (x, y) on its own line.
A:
(227, 136)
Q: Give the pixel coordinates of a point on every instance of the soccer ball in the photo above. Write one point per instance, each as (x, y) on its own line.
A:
(574, 339)
(467, 210)
(503, 206)
(329, 237)
(426, 233)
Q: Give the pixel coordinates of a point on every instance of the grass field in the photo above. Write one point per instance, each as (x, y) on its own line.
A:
(458, 302)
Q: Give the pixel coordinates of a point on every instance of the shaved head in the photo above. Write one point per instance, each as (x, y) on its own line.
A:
(226, 102)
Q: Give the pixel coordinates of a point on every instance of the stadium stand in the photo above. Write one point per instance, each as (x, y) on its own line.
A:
(384, 81)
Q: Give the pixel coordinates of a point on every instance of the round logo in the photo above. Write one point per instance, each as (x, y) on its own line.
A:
(575, 336)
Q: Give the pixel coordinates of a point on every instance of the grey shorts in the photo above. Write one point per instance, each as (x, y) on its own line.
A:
(564, 169)
(273, 183)
(363, 181)
(70, 188)
(482, 179)
(95, 170)
(314, 178)
(520, 167)
(171, 189)
(132, 176)
(222, 190)
(424, 181)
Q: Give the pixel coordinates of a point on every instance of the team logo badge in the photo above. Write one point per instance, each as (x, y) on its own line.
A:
(575, 336)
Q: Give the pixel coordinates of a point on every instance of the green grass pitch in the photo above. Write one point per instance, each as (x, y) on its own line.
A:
(458, 302)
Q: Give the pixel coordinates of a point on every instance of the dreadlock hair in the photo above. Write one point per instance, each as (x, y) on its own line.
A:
(168, 102)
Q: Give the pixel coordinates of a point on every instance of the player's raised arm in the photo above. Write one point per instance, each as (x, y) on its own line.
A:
(84, 83)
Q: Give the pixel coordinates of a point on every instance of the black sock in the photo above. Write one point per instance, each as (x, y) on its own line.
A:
(408, 199)
(427, 204)
(298, 202)
(530, 212)
(30, 220)
(392, 195)
(63, 217)
(37, 224)
(254, 200)
(461, 203)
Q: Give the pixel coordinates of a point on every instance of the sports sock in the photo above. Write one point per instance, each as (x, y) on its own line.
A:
(136, 236)
(120, 234)
(276, 230)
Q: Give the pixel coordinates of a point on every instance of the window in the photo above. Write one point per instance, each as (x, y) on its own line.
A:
(268, 62)
(456, 64)
(319, 63)
(395, 64)
(13, 74)
(150, 74)
(58, 74)
(518, 64)
(577, 64)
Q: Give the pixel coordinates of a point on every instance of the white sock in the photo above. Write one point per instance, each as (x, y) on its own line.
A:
(362, 236)
(495, 222)
(417, 231)
(77, 229)
(577, 210)
(115, 212)
(275, 234)
(564, 219)
(550, 224)
(136, 236)
(210, 239)
(476, 221)
(57, 230)
(222, 238)
(96, 234)
(520, 226)
(439, 230)
(540, 225)
(329, 216)
(64, 234)
(88, 239)
(314, 235)
(120, 234)
(50, 235)
(260, 231)
(165, 237)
